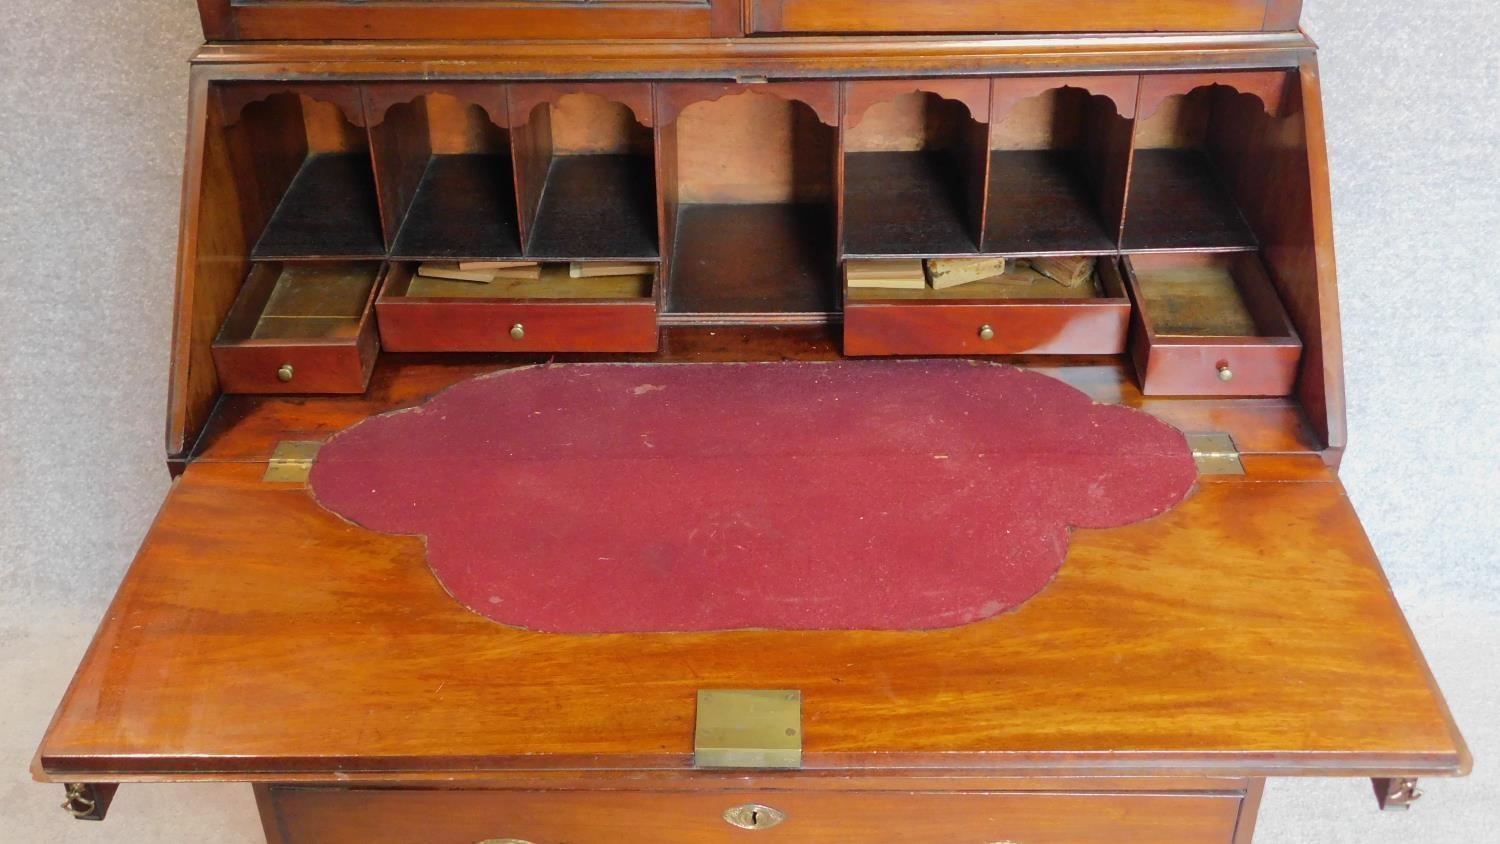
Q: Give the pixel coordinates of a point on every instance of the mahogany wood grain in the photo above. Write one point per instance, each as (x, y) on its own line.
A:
(331, 816)
(859, 96)
(455, 19)
(339, 363)
(901, 16)
(1036, 326)
(412, 324)
(1270, 87)
(1175, 363)
(248, 427)
(1301, 266)
(212, 260)
(1257, 606)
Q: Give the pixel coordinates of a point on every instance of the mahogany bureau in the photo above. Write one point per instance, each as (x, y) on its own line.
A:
(745, 155)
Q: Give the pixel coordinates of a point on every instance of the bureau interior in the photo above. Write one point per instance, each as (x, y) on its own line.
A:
(913, 168)
(301, 155)
(750, 196)
(443, 157)
(1201, 162)
(1059, 159)
(585, 168)
(748, 181)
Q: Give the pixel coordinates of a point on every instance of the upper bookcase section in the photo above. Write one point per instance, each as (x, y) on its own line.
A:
(265, 20)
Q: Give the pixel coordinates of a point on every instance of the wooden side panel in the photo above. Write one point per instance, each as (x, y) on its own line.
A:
(462, 817)
(219, 219)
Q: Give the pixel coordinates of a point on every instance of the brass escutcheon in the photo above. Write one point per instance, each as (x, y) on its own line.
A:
(754, 816)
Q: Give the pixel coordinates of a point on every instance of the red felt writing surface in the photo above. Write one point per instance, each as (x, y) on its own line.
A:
(901, 495)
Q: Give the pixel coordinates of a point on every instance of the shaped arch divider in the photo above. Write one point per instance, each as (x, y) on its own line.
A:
(1203, 144)
(585, 170)
(443, 166)
(303, 178)
(748, 178)
(914, 155)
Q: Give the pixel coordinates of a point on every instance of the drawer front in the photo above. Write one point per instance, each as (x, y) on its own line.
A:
(1022, 15)
(1198, 370)
(292, 368)
(930, 329)
(328, 816)
(231, 20)
(495, 326)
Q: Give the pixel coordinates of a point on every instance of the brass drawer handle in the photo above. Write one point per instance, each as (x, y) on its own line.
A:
(518, 332)
(986, 333)
(1225, 373)
(284, 374)
(754, 816)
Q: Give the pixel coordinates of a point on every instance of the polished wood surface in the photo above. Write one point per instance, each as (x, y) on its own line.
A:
(248, 428)
(329, 816)
(1141, 696)
(1009, 15)
(950, 322)
(1257, 605)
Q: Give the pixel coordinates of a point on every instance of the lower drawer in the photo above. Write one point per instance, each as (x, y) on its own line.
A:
(986, 318)
(555, 313)
(368, 816)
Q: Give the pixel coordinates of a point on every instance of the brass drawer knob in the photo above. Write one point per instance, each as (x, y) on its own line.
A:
(518, 332)
(1225, 373)
(986, 332)
(284, 374)
(754, 816)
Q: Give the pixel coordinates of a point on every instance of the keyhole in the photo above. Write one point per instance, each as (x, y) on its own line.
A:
(754, 817)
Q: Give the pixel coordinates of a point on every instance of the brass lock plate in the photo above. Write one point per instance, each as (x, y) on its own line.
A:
(748, 728)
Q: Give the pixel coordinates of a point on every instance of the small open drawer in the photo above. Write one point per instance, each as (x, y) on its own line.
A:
(301, 328)
(1209, 324)
(1021, 312)
(553, 313)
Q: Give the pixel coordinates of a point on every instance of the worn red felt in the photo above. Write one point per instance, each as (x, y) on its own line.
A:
(627, 497)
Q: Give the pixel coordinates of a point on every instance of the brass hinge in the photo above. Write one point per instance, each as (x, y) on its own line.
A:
(291, 462)
(745, 728)
(1215, 454)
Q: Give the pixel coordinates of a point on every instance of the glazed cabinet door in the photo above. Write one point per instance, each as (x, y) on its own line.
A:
(249, 20)
(915, 16)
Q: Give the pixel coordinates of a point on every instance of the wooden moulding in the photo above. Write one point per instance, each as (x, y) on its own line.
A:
(950, 322)
(250, 359)
(554, 314)
(585, 170)
(914, 157)
(1059, 163)
(1225, 316)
